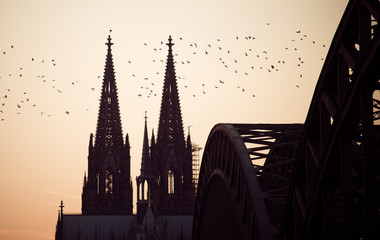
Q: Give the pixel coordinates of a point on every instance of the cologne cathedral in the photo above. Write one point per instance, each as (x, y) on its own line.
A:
(165, 190)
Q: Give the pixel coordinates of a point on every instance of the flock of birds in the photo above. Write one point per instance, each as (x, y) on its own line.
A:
(228, 61)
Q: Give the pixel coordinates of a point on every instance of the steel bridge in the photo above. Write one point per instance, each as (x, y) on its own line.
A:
(318, 180)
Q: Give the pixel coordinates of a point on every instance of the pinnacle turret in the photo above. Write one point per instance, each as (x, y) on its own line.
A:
(145, 159)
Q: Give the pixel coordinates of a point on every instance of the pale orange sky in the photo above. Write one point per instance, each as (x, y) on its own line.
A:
(43, 153)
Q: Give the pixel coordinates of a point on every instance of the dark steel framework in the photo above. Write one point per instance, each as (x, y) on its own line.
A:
(244, 179)
(329, 188)
(335, 189)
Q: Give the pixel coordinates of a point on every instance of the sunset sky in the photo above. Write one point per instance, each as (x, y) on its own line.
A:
(244, 61)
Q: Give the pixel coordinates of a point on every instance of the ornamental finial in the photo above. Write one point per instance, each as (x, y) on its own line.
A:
(170, 44)
(109, 44)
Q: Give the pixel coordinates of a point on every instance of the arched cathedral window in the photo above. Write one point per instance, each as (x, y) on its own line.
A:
(146, 189)
(171, 182)
(109, 182)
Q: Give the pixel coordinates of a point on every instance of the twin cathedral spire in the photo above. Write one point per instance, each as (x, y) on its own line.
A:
(165, 180)
(108, 187)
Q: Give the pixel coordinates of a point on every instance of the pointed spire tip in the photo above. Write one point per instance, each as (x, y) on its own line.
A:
(109, 43)
(170, 44)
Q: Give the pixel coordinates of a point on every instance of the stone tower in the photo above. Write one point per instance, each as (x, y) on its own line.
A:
(173, 192)
(108, 189)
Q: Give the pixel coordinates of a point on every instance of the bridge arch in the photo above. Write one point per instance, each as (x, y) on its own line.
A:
(243, 180)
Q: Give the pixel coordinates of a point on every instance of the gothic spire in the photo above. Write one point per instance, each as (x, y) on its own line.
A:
(145, 159)
(109, 131)
(170, 128)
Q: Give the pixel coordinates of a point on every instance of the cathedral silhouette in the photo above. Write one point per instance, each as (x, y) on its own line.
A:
(165, 186)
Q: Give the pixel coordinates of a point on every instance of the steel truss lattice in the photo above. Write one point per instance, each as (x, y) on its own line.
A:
(243, 181)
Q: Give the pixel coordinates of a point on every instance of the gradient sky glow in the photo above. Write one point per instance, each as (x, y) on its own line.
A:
(43, 150)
